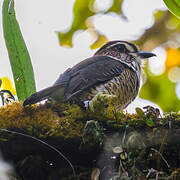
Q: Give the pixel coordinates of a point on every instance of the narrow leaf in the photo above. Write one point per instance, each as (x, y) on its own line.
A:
(173, 6)
(18, 54)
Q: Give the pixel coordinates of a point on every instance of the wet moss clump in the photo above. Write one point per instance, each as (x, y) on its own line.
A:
(104, 143)
(42, 121)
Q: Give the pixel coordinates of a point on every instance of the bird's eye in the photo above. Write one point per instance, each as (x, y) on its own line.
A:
(121, 48)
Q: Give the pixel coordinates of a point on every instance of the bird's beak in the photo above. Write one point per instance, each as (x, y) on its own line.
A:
(144, 55)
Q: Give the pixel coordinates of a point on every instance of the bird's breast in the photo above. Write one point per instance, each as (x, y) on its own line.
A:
(125, 87)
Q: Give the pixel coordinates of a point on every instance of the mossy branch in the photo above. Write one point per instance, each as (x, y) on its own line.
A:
(145, 138)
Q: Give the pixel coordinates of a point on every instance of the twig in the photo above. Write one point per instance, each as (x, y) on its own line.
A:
(162, 147)
(51, 147)
(161, 157)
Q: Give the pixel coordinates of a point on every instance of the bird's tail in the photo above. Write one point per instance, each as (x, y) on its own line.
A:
(40, 95)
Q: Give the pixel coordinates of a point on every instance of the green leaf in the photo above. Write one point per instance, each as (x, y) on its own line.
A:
(101, 40)
(173, 6)
(160, 90)
(18, 54)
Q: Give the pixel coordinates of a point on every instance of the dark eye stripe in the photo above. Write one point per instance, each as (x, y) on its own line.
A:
(128, 46)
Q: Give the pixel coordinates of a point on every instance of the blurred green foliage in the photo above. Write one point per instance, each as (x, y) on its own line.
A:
(82, 11)
(18, 53)
(173, 6)
(164, 33)
(161, 91)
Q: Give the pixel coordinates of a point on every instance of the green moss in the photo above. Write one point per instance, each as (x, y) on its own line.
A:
(142, 136)
(41, 121)
(68, 121)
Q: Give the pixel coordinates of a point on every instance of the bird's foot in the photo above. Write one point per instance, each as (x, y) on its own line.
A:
(101, 100)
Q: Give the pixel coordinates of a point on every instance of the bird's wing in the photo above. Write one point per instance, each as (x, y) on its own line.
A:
(84, 75)
(92, 71)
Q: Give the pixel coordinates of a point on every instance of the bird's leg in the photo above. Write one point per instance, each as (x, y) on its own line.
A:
(103, 100)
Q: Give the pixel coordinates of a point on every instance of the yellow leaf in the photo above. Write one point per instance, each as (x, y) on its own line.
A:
(101, 40)
(7, 85)
(172, 58)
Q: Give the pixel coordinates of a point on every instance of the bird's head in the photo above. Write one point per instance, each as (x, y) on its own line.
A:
(123, 51)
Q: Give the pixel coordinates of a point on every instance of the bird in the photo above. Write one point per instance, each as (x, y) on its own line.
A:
(114, 70)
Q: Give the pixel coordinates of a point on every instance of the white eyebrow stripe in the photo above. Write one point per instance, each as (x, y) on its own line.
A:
(128, 47)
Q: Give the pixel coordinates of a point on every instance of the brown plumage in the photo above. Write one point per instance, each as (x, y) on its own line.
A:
(114, 69)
